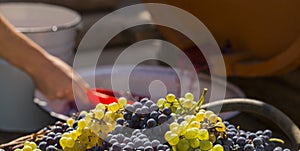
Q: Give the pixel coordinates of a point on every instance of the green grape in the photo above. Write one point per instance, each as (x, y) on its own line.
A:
(118, 115)
(168, 135)
(27, 148)
(95, 127)
(189, 96)
(78, 132)
(160, 103)
(200, 116)
(203, 134)
(188, 103)
(175, 104)
(63, 142)
(175, 130)
(88, 118)
(108, 117)
(168, 105)
(220, 127)
(73, 134)
(219, 119)
(183, 145)
(26, 143)
(86, 131)
(100, 106)
(174, 139)
(205, 145)
(122, 101)
(32, 145)
(182, 130)
(202, 110)
(191, 133)
(81, 123)
(83, 113)
(173, 125)
(70, 142)
(93, 142)
(66, 134)
(106, 128)
(195, 124)
(83, 139)
(70, 122)
(194, 143)
(113, 107)
(212, 137)
(204, 125)
(213, 118)
(98, 114)
(170, 97)
(181, 100)
(78, 146)
(218, 147)
(184, 124)
(189, 118)
(208, 113)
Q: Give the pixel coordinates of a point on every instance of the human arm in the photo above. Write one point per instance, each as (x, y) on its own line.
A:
(51, 76)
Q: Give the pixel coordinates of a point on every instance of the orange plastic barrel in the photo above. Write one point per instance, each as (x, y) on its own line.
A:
(266, 31)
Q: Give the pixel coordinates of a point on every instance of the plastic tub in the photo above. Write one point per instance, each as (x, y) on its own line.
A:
(147, 81)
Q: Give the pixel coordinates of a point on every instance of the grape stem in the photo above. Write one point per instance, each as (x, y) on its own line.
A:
(184, 110)
(200, 101)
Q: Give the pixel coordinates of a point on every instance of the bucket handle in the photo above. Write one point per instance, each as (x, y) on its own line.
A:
(263, 109)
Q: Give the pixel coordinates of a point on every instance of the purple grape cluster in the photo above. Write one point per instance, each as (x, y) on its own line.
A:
(50, 141)
(241, 140)
(142, 128)
(145, 114)
(137, 140)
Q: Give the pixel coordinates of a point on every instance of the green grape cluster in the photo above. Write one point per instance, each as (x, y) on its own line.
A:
(92, 127)
(169, 102)
(196, 131)
(28, 146)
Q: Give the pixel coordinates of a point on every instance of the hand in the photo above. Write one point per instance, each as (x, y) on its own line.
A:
(57, 80)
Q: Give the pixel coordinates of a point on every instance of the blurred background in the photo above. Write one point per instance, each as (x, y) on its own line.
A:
(258, 39)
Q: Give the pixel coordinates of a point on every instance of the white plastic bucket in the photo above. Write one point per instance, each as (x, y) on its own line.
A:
(52, 27)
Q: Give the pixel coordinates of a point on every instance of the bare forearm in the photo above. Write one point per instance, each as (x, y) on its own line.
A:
(19, 50)
(51, 75)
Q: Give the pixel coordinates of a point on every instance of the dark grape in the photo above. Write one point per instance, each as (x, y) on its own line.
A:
(154, 115)
(42, 145)
(151, 123)
(120, 121)
(241, 140)
(129, 108)
(144, 100)
(50, 141)
(257, 141)
(51, 148)
(167, 111)
(162, 118)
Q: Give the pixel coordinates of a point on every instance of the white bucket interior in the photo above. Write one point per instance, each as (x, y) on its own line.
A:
(27, 16)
